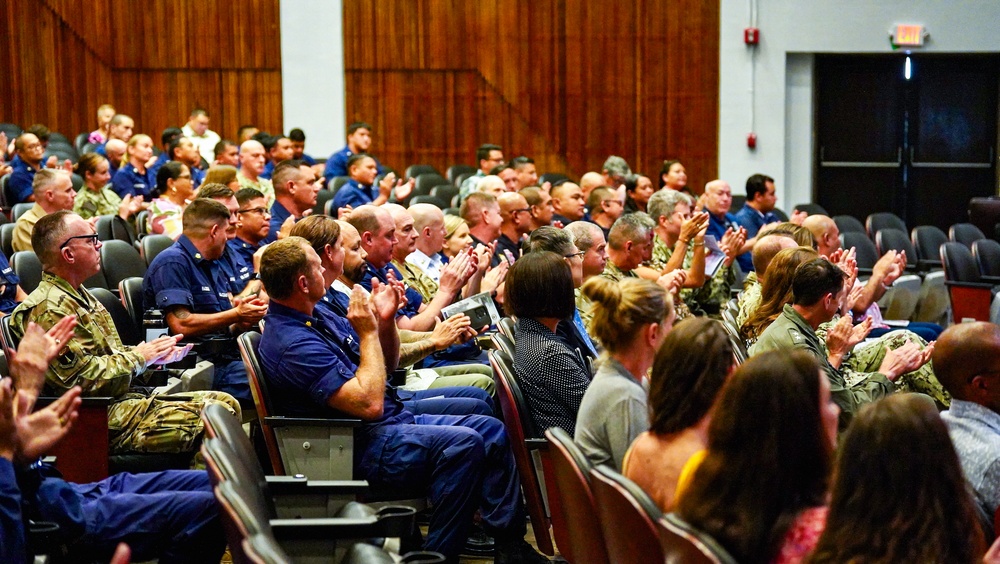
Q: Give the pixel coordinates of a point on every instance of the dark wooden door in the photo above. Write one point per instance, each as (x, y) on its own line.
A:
(919, 145)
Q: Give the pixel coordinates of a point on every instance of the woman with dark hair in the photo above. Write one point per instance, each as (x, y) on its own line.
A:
(776, 290)
(689, 369)
(630, 319)
(673, 176)
(97, 198)
(638, 189)
(898, 491)
(760, 487)
(539, 292)
(175, 189)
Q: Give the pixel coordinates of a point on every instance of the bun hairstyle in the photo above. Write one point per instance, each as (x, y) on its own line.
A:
(620, 308)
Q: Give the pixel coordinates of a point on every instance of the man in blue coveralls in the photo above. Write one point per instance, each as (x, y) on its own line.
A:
(464, 461)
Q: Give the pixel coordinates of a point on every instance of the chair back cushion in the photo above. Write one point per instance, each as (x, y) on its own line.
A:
(959, 266)
(628, 518)
(987, 253)
(576, 526)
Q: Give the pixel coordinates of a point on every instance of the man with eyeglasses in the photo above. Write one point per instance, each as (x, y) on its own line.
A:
(95, 358)
(254, 224)
(516, 214)
(295, 190)
(488, 156)
(188, 284)
(53, 191)
(606, 206)
(967, 362)
(27, 160)
(238, 272)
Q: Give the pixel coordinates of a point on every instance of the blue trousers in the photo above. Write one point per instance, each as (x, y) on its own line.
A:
(453, 400)
(465, 462)
(928, 331)
(231, 377)
(169, 515)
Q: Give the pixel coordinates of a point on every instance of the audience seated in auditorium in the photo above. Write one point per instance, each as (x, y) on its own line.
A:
(638, 189)
(338, 245)
(279, 150)
(359, 141)
(183, 150)
(171, 516)
(630, 243)
(361, 188)
(175, 189)
(429, 225)
(251, 165)
(606, 206)
(463, 460)
(673, 176)
(225, 175)
(553, 378)
(97, 198)
(204, 139)
(967, 359)
(133, 177)
(759, 489)
(568, 203)
(253, 227)
(541, 206)
(95, 358)
(226, 153)
(28, 151)
(630, 319)
(240, 274)
(689, 369)
(615, 171)
(888, 268)
(898, 500)
(53, 191)
(575, 329)
(757, 211)
(114, 149)
(818, 290)
(491, 184)
(487, 157)
(99, 136)
(716, 200)
(187, 283)
(591, 180)
(508, 174)
(679, 243)
(515, 225)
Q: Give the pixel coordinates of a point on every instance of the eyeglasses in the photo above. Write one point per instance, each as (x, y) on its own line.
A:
(576, 254)
(184, 177)
(261, 211)
(520, 210)
(93, 238)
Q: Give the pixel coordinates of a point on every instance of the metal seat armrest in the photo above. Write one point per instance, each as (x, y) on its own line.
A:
(392, 521)
(300, 485)
(281, 421)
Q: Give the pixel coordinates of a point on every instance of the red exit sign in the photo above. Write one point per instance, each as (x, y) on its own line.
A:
(908, 35)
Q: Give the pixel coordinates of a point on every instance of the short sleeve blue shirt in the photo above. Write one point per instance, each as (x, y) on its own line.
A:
(128, 180)
(21, 177)
(267, 172)
(336, 165)
(413, 297)
(244, 249)
(354, 194)
(301, 356)
(752, 220)
(236, 270)
(181, 277)
(9, 280)
(278, 216)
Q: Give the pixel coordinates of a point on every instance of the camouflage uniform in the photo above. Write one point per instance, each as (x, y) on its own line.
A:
(89, 204)
(749, 299)
(689, 305)
(415, 278)
(586, 309)
(96, 360)
(615, 274)
(261, 185)
(866, 358)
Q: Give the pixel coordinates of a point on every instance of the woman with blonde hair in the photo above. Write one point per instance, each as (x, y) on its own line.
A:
(222, 174)
(457, 237)
(630, 319)
(97, 198)
(133, 177)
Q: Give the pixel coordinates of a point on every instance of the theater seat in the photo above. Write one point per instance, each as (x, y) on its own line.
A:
(628, 518)
(683, 543)
(971, 298)
(576, 527)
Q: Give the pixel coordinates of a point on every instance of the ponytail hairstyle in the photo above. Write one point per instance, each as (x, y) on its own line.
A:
(621, 308)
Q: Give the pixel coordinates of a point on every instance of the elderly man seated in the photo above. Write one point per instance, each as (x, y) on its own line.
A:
(95, 358)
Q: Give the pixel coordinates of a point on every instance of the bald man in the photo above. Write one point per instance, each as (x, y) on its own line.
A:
(252, 161)
(967, 361)
(516, 214)
(589, 181)
(765, 249)
(568, 202)
(428, 222)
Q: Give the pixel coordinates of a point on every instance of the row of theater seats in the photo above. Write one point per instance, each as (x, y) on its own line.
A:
(596, 515)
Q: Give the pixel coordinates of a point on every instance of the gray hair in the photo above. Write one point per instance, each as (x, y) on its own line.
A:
(617, 167)
(44, 179)
(664, 202)
(630, 227)
(583, 234)
(548, 238)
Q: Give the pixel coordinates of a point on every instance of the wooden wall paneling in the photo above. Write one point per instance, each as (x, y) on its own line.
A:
(566, 83)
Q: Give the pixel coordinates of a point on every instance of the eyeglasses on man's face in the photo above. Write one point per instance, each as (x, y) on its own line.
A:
(261, 211)
(93, 238)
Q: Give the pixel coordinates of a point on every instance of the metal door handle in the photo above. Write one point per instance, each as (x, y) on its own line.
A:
(915, 164)
(861, 164)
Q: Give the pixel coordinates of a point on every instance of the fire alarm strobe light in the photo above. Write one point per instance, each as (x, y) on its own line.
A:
(751, 36)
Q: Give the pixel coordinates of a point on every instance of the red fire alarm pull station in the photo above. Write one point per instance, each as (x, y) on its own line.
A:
(752, 140)
(751, 36)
